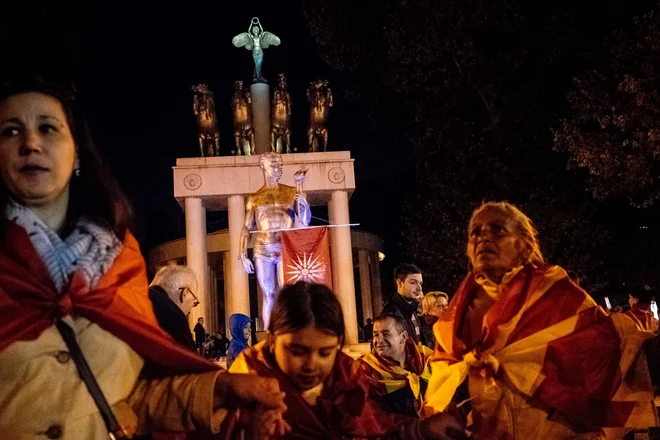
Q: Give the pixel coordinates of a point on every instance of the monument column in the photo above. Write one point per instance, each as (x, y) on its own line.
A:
(239, 290)
(261, 117)
(227, 275)
(342, 262)
(376, 288)
(196, 257)
(365, 285)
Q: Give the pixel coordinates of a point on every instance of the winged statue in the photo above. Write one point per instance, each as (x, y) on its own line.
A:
(256, 40)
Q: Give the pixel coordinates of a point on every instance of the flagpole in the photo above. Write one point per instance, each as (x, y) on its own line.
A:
(305, 227)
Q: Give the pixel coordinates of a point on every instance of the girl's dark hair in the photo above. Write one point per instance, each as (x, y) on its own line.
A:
(304, 305)
(94, 194)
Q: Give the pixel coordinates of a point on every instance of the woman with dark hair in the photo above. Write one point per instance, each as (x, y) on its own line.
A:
(327, 392)
(81, 352)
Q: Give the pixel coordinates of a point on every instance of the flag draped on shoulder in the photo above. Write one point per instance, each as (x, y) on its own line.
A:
(543, 340)
(306, 256)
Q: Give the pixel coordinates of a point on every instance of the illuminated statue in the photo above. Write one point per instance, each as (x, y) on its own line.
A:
(319, 96)
(241, 104)
(280, 126)
(255, 39)
(207, 122)
(273, 207)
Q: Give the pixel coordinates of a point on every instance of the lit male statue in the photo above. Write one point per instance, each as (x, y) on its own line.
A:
(272, 208)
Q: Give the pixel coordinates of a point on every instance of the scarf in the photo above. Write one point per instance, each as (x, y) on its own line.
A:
(394, 377)
(89, 249)
(119, 303)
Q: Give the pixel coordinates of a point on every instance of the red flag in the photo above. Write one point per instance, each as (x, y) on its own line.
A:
(306, 256)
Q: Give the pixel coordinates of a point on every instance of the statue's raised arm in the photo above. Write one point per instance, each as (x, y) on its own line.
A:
(256, 39)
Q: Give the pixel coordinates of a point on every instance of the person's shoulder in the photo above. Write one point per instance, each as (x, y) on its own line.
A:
(392, 307)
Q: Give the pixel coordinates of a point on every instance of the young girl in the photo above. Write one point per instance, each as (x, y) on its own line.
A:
(326, 391)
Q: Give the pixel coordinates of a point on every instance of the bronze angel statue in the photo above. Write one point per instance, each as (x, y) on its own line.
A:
(256, 39)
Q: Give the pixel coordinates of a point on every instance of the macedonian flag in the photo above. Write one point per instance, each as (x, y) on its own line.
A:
(546, 349)
(306, 256)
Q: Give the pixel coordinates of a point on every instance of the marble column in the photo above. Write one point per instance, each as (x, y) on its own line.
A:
(365, 285)
(342, 262)
(227, 275)
(213, 296)
(196, 257)
(376, 288)
(261, 117)
(239, 289)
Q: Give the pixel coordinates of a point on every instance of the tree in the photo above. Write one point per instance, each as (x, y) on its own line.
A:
(482, 83)
(614, 128)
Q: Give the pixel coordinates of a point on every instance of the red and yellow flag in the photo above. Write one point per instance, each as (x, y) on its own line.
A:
(544, 340)
(306, 256)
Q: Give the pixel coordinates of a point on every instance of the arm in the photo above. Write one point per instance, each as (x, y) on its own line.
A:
(302, 210)
(245, 237)
(199, 401)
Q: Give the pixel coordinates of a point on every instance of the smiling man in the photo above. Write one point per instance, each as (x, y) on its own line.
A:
(408, 279)
(398, 365)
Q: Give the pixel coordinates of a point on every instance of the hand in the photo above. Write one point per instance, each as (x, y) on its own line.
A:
(300, 176)
(442, 426)
(247, 389)
(270, 423)
(247, 264)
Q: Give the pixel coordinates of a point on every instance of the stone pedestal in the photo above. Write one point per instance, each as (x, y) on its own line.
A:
(261, 117)
(223, 182)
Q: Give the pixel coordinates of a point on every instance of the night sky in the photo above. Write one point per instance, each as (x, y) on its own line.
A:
(134, 68)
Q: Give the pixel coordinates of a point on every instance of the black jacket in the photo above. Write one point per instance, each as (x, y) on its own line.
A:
(170, 317)
(399, 306)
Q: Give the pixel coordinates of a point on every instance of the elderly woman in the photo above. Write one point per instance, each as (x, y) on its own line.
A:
(81, 353)
(541, 359)
(433, 305)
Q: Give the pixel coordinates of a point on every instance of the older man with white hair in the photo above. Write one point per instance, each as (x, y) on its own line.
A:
(172, 294)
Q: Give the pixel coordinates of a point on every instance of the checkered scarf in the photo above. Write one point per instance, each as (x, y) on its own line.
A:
(89, 248)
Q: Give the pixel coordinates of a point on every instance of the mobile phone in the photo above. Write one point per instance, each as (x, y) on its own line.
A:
(654, 309)
(607, 303)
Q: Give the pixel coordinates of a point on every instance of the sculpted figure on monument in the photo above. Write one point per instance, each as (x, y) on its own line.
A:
(241, 104)
(280, 126)
(255, 39)
(319, 96)
(273, 207)
(207, 122)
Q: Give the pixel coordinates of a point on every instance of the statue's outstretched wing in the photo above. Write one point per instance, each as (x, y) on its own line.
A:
(243, 39)
(268, 39)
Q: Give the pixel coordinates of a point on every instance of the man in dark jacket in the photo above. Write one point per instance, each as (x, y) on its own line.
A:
(200, 332)
(408, 279)
(172, 295)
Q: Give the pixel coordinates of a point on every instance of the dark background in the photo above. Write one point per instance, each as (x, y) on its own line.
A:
(443, 104)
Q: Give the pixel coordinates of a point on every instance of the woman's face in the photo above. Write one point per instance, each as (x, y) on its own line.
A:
(37, 151)
(306, 356)
(439, 307)
(247, 331)
(494, 246)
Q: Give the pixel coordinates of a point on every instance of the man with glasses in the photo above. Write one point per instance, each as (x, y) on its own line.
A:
(172, 294)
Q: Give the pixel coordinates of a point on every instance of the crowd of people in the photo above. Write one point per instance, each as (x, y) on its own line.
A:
(88, 349)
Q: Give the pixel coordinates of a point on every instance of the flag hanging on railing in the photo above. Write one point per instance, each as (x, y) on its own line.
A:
(306, 256)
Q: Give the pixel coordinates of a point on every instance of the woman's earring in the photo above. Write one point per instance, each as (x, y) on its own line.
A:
(77, 172)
